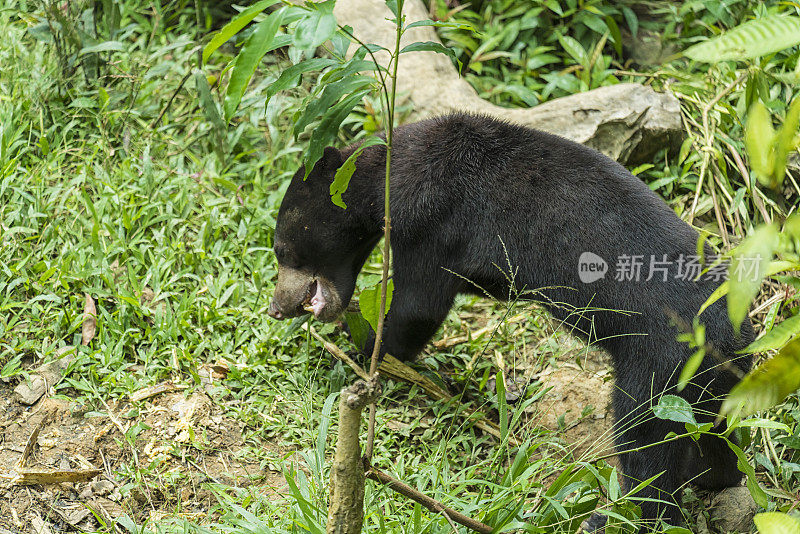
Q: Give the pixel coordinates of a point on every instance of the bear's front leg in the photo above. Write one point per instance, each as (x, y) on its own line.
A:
(419, 306)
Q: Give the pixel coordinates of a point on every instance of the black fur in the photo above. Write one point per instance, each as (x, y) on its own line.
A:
(470, 196)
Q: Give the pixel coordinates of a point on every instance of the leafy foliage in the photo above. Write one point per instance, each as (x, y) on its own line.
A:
(514, 59)
(341, 87)
(370, 302)
(749, 264)
(769, 150)
(768, 385)
(750, 40)
(343, 174)
(777, 523)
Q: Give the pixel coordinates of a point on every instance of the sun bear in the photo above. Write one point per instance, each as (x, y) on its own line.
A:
(486, 207)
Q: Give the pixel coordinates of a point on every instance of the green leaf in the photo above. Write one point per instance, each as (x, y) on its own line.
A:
(341, 41)
(342, 178)
(573, 48)
(245, 64)
(723, 289)
(441, 24)
(359, 328)
(370, 302)
(211, 113)
(353, 66)
(330, 95)
(324, 425)
(749, 264)
(690, 368)
(127, 523)
(107, 46)
(290, 77)
(752, 482)
(749, 40)
(777, 337)
(767, 385)
(776, 523)
(328, 129)
(759, 422)
(234, 26)
(502, 404)
(554, 6)
(631, 19)
(616, 35)
(614, 490)
(674, 408)
(430, 46)
(317, 27)
(759, 137)
(785, 143)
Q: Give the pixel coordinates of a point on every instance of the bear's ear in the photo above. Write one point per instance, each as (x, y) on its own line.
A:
(331, 159)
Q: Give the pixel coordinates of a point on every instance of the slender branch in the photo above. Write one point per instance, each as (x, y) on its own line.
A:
(336, 351)
(352, 36)
(431, 504)
(171, 98)
(387, 224)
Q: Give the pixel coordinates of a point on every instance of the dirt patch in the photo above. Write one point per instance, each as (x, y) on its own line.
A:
(577, 405)
(174, 441)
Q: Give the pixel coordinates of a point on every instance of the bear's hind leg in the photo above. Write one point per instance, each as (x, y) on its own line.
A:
(667, 460)
(713, 467)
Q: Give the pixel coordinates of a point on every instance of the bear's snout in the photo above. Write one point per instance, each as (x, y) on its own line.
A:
(274, 310)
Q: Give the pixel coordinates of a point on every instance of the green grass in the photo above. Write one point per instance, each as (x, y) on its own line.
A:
(114, 184)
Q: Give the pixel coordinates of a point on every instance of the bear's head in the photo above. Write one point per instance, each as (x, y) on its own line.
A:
(320, 247)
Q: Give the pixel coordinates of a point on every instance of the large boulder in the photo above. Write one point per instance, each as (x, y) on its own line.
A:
(627, 122)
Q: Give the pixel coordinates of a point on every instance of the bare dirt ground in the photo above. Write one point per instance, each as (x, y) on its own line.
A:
(184, 442)
(578, 404)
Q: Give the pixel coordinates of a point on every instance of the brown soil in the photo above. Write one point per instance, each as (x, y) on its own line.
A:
(189, 441)
(577, 406)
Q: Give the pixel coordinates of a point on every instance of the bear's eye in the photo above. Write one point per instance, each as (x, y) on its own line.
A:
(286, 257)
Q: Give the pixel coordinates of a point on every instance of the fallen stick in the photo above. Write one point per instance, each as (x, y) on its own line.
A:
(27, 476)
(158, 389)
(431, 504)
(457, 340)
(393, 368)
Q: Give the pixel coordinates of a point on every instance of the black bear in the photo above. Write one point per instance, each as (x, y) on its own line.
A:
(470, 196)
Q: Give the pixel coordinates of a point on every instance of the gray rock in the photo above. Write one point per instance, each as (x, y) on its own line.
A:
(33, 389)
(732, 510)
(627, 122)
(102, 487)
